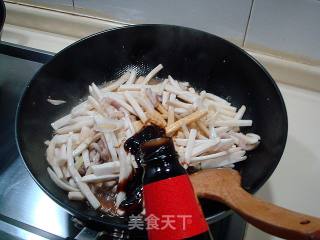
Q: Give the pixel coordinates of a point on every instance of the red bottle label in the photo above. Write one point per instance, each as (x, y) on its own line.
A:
(172, 209)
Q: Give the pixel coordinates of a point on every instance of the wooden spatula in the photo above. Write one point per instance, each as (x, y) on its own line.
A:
(223, 185)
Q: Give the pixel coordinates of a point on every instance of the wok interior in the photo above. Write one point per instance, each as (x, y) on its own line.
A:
(206, 61)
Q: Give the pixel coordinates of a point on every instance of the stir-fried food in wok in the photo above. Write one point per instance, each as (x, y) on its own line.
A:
(92, 154)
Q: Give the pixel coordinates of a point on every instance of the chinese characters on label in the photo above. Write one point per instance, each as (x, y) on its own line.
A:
(153, 222)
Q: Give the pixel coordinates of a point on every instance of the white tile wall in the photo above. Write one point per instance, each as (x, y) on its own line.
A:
(286, 27)
(227, 18)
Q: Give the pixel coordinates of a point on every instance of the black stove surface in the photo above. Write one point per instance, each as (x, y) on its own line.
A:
(26, 212)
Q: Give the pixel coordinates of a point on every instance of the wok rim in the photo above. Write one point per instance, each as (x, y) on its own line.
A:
(3, 18)
(108, 219)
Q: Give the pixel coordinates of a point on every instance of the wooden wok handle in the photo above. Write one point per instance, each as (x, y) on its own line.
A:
(270, 218)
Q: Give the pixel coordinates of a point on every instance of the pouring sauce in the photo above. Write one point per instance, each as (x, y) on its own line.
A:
(133, 204)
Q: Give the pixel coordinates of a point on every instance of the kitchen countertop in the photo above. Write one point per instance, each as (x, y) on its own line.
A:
(295, 183)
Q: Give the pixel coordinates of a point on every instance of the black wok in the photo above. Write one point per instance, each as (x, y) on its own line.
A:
(206, 61)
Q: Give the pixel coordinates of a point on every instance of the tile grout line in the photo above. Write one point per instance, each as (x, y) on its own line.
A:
(247, 25)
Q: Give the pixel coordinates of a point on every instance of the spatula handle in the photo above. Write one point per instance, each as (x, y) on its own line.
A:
(270, 218)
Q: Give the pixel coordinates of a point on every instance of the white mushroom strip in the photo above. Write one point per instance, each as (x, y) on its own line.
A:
(224, 144)
(184, 85)
(84, 145)
(227, 113)
(72, 182)
(77, 196)
(86, 159)
(75, 127)
(132, 77)
(217, 99)
(212, 117)
(246, 142)
(85, 133)
(116, 139)
(240, 113)
(116, 98)
(184, 142)
(128, 122)
(171, 110)
(97, 92)
(61, 122)
(51, 159)
(132, 87)
(84, 188)
(111, 146)
(61, 184)
(185, 130)
(79, 109)
(80, 119)
(230, 158)
(253, 138)
(158, 88)
(222, 117)
(91, 178)
(96, 105)
(179, 104)
(219, 105)
(136, 107)
(183, 95)
(249, 138)
(114, 85)
(55, 102)
(125, 171)
(191, 89)
(145, 103)
(174, 83)
(84, 112)
(208, 157)
(135, 88)
(188, 97)
(108, 124)
(151, 96)
(213, 134)
(63, 138)
(180, 110)
(61, 155)
(190, 144)
(165, 98)
(152, 74)
(105, 168)
(200, 149)
(233, 123)
(220, 130)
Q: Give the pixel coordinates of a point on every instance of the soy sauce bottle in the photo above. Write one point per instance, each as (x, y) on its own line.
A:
(172, 209)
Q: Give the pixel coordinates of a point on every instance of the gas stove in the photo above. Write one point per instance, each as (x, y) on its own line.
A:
(26, 212)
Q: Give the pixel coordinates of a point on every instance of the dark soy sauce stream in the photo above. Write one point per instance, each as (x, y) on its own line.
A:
(133, 184)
